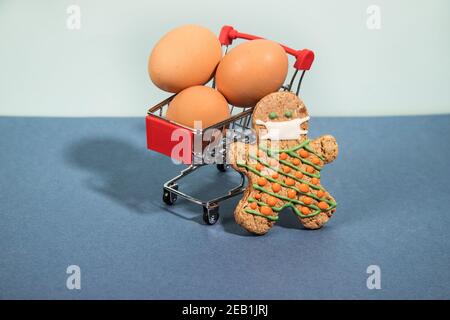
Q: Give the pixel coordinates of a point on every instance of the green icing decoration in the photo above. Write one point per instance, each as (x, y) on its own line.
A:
(295, 148)
(276, 181)
(295, 155)
(292, 153)
(304, 145)
(288, 114)
(316, 187)
(308, 148)
(313, 175)
(256, 213)
(257, 187)
(273, 115)
(290, 202)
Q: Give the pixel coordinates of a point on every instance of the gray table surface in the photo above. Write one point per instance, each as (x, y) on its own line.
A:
(87, 192)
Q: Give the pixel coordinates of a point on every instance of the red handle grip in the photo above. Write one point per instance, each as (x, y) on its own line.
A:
(304, 58)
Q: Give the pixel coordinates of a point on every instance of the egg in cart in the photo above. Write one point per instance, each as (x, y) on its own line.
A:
(161, 132)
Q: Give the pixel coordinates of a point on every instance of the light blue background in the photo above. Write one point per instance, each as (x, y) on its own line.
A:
(101, 70)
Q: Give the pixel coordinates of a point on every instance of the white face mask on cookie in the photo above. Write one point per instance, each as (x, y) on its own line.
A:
(283, 130)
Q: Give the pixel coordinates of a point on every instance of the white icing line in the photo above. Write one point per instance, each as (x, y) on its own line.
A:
(283, 130)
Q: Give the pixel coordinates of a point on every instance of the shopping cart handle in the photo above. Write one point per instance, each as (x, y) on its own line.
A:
(304, 58)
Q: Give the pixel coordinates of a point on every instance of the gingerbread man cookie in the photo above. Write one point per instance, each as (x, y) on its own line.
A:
(283, 167)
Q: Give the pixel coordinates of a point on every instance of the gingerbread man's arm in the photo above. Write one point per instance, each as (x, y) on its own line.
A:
(326, 146)
(238, 153)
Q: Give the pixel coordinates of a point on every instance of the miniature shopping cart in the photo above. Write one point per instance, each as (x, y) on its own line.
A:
(160, 132)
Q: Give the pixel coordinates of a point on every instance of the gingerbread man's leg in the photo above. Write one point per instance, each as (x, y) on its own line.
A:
(252, 212)
(248, 214)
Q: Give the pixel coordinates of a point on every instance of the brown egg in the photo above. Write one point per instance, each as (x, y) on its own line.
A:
(198, 103)
(184, 57)
(251, 71)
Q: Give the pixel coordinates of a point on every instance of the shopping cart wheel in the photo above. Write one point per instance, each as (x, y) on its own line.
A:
(221, 167)
(169, 197)
(211, 214)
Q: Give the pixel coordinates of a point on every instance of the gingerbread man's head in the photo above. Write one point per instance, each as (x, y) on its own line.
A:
(281, 116)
